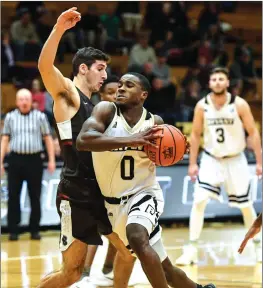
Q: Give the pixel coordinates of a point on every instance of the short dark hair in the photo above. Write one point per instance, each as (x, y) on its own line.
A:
(110, 79)
(220, 70)
(88, 56)
(146, 86)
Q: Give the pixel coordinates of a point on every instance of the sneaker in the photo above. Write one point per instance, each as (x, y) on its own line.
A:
(109, 275)
(102, 280)
(189, 256)
(83, 275)
(13, 237)
(84, 283)
(209, 286)
(35, 236)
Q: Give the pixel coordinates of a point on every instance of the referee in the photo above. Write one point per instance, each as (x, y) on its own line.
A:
(25, 128)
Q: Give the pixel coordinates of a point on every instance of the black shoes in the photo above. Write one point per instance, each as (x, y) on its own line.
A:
(209, 286)
(13, 237)
(35, 236)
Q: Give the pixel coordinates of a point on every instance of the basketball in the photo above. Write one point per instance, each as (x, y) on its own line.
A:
(171, 149)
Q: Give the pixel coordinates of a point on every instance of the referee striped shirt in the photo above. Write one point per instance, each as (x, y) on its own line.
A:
(26, 131)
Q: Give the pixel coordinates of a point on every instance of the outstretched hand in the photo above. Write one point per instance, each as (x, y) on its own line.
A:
(250, 234)
(68, 19)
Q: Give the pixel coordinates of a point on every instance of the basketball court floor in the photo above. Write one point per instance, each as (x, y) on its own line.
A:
(24, 262)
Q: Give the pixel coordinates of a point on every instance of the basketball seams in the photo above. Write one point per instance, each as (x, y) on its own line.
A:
(174, 142)
(160, 145)
(178, 130)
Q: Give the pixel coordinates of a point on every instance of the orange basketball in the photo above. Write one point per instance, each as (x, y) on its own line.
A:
(171, 149)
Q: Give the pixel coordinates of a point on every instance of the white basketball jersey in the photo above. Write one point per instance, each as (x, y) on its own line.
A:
(127, 170)
(224, 134)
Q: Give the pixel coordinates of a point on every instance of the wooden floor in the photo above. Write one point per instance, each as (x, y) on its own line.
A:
(24, 262)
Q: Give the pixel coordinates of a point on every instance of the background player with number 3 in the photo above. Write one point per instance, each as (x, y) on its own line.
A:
(223, 119)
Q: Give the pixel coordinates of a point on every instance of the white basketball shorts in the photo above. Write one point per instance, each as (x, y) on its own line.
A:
(232, 173)
(143, 208)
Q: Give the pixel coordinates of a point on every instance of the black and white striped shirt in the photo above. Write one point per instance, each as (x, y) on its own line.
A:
(26, 131)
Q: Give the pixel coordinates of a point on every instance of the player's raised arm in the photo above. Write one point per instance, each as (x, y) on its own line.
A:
(197, 130)
(53, 80)
(250, 126)
(92, 137)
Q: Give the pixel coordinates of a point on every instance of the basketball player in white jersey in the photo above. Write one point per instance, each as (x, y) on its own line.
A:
(127, 177)
(223, 119)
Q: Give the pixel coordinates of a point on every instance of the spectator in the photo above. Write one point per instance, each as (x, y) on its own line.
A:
(180, 13)
(161, 72)
(191, 41)
(192, 74)
(204, 71)
(214, 35)
(43, 27)
(166, 22)
(152, 11)
(182, 45)
(141, 53)
(38, 95)
(205, 51)
(209, 16)
(221, 57)
(8, 57)
(112, 26)
(240, 47)
(35, 8)
(163, 96)
(189, 99)
(25, 38)
(129, 13)
(244, 71)
(91, 26)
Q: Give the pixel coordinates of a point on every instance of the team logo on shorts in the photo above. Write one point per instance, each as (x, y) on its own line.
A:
(150, 209)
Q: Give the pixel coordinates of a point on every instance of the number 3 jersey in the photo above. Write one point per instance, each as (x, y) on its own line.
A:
(224, 134)
(126, 170)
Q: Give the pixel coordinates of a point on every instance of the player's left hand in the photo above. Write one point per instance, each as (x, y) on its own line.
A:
(51, 166)
(259, 170)
(255, 229)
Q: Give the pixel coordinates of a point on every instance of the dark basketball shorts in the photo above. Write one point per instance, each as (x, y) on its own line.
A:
(82, 217)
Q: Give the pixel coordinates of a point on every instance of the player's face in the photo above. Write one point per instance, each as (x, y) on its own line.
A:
(109, 92)
(218, 83)
(96, 75)
(130, 91)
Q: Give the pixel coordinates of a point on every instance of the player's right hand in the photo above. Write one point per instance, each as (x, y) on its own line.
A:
(68, 19)
(193, 171)
(146, 137)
